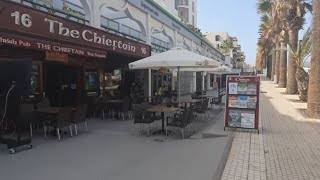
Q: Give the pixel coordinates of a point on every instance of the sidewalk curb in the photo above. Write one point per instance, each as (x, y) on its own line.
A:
(223, 161)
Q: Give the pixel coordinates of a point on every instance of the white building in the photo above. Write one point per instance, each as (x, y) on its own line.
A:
(235, 57)
(159, 23)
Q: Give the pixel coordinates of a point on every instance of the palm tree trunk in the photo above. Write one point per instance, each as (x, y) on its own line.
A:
(302, 81)
(273, 71)
(269, 66)
(277, 68)
(292, 86)
(313, 108)
(283, 66)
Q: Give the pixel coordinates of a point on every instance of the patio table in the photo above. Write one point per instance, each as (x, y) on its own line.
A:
(48, 110)
(114, 101)
(162, 109)
(189, 101)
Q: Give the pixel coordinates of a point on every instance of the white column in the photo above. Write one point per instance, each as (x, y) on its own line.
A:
(194, 81)
(208, 81)
(192, 49)
(148, 41)
(172, 80)
(175, 38)
(148, 29)
(149, 82)
(203, 80)
(95, 19)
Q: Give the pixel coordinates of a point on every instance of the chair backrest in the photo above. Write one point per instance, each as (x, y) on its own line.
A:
(44, 103)
(185, 115)
(137, 113)
(205, 105)
(190, 116)
(26, 112)
(125, 104)
(64, 115)
(80, 113)
(220, 99)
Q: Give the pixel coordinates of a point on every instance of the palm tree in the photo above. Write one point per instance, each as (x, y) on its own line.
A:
(292, 12)
(283, 61)
(302, 52)
(269, 29)
(313, 108)
(277, 65)
(226, 46)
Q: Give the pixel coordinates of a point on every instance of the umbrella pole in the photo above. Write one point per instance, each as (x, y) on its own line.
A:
(179, 91)
(202, 86)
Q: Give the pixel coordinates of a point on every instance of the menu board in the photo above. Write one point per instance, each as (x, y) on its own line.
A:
(242, 102)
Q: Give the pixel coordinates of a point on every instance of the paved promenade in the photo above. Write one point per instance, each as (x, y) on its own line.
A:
(288, 146)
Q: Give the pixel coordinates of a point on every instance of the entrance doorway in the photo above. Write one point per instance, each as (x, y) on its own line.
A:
(61, 84)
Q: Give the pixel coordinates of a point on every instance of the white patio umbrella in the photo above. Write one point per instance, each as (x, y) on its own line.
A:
(175, 58)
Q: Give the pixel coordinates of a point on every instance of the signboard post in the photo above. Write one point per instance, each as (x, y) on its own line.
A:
(242, 102)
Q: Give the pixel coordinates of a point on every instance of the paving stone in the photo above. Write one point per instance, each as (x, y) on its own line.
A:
(288, 146)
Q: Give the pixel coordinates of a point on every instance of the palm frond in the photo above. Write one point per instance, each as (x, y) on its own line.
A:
(303, 50)
(264, 6)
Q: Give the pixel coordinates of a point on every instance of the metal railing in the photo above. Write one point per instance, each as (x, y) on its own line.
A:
(160, 43)
(113, 27)
(158, 49)
(55, 11)
(132, 32)
(128, 36)
(111, 24)
(183, 2)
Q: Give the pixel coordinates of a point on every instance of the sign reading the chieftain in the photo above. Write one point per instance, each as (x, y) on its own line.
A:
(27, 21)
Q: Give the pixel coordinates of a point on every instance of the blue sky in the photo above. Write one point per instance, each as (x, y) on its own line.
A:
(237, 17)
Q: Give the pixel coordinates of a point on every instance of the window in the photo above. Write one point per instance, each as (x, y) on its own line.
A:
(193, 21)
(35, 79)
(211, 80)
(192, 6)
(218, 45)
(217, 38)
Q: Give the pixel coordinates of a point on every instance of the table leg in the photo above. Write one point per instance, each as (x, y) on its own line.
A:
(162, 116)
(162, 130)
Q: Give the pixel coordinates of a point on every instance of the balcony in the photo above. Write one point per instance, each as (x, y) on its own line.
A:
(69, 10)
(183, 4)
(116, 28)
(159, 45)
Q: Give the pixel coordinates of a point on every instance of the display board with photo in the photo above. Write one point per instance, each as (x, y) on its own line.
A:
(234, 119)
(242, 102)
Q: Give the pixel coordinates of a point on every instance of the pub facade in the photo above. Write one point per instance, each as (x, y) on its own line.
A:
(48, 55)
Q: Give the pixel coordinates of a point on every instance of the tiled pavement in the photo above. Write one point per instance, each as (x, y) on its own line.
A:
(288, 146)
(116, 150)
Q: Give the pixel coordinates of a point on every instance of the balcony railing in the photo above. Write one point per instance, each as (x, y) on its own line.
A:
(183, 3)
(113, 27)
(110, 24)
(160, 42)
(158, 49)
(66, 13)
(132, 32)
